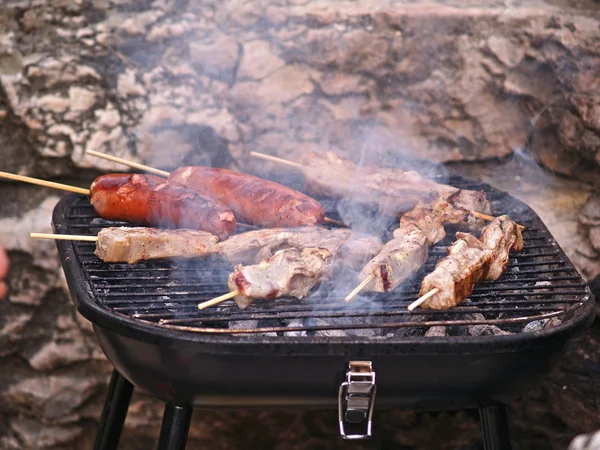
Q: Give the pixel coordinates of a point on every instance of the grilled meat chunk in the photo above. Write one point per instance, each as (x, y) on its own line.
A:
(119, 244)
(392, 191)
(289, 272)
(255, 246)
(471, 261)
(431, 218)
(397, 261)
(503, 236)
(456, 275)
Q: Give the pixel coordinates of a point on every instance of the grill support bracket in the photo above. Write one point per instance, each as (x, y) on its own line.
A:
(356, 399)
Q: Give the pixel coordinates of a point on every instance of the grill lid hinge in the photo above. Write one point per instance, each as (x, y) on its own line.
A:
(356, 399)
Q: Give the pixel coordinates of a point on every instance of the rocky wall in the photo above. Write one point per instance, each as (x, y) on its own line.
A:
(170, 82)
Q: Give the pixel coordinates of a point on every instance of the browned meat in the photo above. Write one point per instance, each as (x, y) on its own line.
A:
(504, 237)
(392, 191)
(456, 275)
(290, 272)
(471, 261)
(252, 199)
(131, 245)
(150, 200)
(255, 246)
(431, 218)
(397, 261)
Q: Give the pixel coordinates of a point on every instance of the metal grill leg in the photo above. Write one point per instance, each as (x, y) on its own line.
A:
(494, 425)
(175, 427)
(113, 413)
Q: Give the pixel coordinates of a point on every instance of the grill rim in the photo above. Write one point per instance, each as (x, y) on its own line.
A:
(581, 315)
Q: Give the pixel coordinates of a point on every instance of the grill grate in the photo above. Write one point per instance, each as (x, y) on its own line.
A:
(539, 284)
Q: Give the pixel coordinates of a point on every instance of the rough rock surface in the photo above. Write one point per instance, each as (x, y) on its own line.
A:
(166, 82)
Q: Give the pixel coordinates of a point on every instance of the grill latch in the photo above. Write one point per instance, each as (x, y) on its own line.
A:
(356, 399)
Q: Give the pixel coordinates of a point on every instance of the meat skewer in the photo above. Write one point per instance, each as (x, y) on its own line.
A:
(253, 200)
(149, 200)
(470, 261)
(134, 244)
(406, 253)
(291, 272)
(367, 183)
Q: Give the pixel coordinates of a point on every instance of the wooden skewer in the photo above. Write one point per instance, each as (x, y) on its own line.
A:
(166, 174)
(64, 237)
(423, 299)
(360, 287)
(135, 165)
(218, 300)
(51, 184)
(277, 160)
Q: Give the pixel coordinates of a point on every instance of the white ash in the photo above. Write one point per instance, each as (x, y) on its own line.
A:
(293, 324)
(437, 331)
(243, 324)
(543, 283)
(539, 325)
(327, 333)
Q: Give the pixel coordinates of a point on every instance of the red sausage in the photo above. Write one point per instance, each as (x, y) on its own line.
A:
(150, 200)
(253, 200)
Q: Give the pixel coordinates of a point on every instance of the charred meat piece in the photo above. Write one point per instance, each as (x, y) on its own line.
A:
(392, 191)
(255, 246)
(131, 245)
(456, 275)
(291, 272)
(397, 261)
(503, 236)
(471, 261)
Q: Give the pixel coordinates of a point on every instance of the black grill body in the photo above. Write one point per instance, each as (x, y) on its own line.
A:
(192, 358)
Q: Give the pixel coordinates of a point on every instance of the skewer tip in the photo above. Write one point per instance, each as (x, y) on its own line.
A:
(423, 299)
(359, 288)
(217, 300)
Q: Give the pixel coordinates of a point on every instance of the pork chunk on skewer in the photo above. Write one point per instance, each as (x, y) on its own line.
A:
(134, 244)
(504, 237)
(456, 275)
(397, 261)
(290, 272)
(391, 190)
(471, 261)
(255, 246)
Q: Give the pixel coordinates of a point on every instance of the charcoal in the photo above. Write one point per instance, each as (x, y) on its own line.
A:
(437, 331)
(539, 325)
(485, 330)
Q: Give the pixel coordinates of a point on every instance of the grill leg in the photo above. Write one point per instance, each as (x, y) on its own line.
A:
(113, 413)
(175, 427)
(494, 425)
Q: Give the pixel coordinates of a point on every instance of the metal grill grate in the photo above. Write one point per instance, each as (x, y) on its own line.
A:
(539, 284)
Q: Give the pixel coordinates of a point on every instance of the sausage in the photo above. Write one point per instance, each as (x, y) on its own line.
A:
(253, 200)
(151, 200)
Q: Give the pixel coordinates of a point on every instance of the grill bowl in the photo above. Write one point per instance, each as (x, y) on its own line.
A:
(199, 362)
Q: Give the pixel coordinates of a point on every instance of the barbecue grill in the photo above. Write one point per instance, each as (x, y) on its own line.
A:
(320, 352)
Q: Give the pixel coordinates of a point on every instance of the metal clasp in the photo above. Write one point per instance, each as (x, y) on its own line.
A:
(356, 398)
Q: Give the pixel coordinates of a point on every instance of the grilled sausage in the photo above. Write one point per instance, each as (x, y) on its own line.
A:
(150, 200)
(253, 200)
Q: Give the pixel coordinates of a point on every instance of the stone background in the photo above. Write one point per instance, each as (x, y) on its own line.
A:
(504, 91)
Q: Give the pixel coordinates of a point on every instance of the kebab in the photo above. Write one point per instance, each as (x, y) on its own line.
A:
(149, 200)
(470, 261)
(134, 244)
(392, 191)
(253, 200)
(406, 253)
